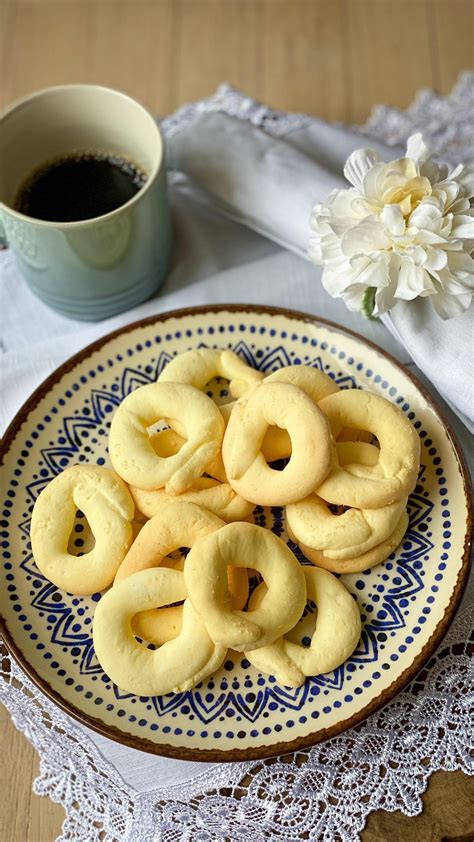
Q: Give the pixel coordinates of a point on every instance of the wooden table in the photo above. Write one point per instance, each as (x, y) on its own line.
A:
(332, 58)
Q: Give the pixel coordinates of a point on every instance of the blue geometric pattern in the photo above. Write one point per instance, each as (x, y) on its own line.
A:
(239, 693)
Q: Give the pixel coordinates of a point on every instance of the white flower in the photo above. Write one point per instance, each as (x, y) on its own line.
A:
(404, 229)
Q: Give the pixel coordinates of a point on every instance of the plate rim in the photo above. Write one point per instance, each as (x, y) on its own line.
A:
(263, 751)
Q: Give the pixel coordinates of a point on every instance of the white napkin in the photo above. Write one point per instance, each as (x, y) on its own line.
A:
(271, 184)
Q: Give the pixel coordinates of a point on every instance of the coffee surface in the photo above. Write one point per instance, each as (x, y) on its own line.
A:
(79, 186)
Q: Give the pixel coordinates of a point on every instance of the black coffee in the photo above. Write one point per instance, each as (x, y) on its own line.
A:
(79, 186)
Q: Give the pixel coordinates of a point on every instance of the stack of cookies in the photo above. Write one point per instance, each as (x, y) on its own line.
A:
(188, 474)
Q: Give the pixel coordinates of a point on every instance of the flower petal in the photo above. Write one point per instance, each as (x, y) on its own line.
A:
(460, 265)
(435, 259)
(353, 297)
(417, 254)
(426, 216)
(448, 306)
(314, 251)
(367, 236)
(459, 206)
(404, 167)
(466, 179)
(393, 220)
(432, 171)
(373, 183)
(413, 281)
(369, 272)
(426, 237)
(331, 249)
(385, 296)
(417, 148)
(335, 282)
(406, 192)
(358, 165)
(463, 226)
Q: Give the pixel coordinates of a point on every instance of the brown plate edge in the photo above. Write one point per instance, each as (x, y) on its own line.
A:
(268, 751)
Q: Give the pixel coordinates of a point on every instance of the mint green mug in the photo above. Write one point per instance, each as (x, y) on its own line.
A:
(95, 268)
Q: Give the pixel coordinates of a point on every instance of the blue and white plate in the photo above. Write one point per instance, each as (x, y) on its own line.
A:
(406, 603)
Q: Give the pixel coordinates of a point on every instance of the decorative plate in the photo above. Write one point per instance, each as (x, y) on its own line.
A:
(406, 603)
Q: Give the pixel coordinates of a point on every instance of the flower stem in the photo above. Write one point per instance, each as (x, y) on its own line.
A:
(368, 303)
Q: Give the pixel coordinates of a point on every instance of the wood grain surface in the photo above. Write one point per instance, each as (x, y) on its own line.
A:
(332, 58)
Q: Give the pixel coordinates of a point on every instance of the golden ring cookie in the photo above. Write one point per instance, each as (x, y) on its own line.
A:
(334, 632)
(176, 666)
(396, 472)
(286, 406)
(361, 562)
(131, 450)
(109, 509)
(277, 444)
(341, 536)
(250, 546)
(217, 497)
(161, 624)
(199, 366)
(356, 530)
(176, 525)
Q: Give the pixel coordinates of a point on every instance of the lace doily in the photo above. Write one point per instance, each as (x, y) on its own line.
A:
(323, 793)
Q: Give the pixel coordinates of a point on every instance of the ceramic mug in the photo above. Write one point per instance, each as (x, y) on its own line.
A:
(95, 268)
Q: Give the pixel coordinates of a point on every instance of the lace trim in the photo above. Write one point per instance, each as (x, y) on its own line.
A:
(234, 103)
(328, 791)
(446, 121)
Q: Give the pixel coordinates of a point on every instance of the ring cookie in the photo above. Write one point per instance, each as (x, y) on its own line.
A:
(176, 666)
(199, 366)
(176, 525)
(334, 633)
(286, 406)
(349, 534)
(109, 509)
(277, 443)
(361, 562)
(250, 546)
(131, 449)
(395, 474)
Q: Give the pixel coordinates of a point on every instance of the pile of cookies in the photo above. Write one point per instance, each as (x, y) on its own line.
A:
(342, 463)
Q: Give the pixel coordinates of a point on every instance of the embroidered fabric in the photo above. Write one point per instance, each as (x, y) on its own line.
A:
(323, 793)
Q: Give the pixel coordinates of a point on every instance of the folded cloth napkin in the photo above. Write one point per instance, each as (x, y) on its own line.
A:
(271, 184)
